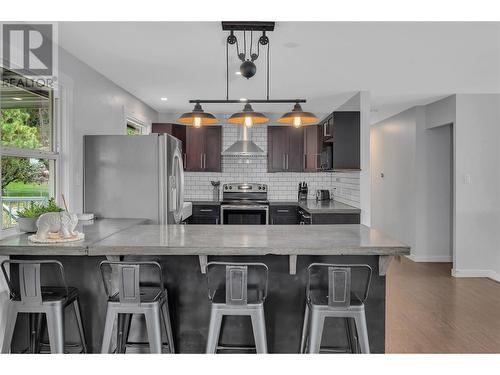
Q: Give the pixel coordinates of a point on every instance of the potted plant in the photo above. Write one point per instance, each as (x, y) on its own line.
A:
(27, 217)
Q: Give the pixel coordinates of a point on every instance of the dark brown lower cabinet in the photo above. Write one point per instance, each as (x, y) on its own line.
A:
(335, 218)
(283, 215)
(205, 214)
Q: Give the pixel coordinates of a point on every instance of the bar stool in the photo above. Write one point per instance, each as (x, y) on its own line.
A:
(32, 298)
(335, 300)
(132, 298)
(232, 293)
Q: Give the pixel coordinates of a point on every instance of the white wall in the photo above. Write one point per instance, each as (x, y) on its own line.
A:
(477, 204)
(91, 104)
(393, 143)
(434, 195)
(413, 201)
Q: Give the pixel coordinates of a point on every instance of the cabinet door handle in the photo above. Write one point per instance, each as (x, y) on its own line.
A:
(284, 161)
(201, 161)
(287, 162)
(282, 210)
(184, 159)
(305, 161)
(204, 161)
(206, 210)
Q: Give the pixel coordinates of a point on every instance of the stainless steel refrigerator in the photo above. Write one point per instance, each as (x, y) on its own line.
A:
(138, 176)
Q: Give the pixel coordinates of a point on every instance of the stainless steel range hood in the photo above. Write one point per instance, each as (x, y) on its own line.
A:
(244, 147)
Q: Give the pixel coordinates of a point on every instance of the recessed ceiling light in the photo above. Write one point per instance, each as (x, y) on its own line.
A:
(164, 99)
(17, 98)
(238, 73)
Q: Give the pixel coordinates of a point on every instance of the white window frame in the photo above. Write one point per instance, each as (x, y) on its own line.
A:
(53, 155)
(137, 121)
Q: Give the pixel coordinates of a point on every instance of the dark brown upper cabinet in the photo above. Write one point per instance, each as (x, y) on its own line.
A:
(313, 144)
(203, 149)
(285, 149)
(346, 140)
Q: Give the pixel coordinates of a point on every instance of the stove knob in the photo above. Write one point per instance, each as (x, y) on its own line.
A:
(230, 188)
(225, 187)
(263, 188)
(260, 187)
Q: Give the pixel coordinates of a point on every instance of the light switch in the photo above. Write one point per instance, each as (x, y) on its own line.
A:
(467, 179)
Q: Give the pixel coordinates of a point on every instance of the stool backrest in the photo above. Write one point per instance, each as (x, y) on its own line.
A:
(235, 279)
(128, 275)
(29, 289)
(339, 282)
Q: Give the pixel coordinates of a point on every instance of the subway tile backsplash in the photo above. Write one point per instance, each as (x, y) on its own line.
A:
(282, 186)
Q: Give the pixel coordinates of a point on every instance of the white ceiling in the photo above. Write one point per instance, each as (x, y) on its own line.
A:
(401, 64)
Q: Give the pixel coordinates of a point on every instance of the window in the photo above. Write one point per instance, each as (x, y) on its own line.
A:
(28, 153)
(135, 128)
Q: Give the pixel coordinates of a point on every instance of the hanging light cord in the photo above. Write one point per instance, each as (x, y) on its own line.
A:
(227, 70)
(268, 45)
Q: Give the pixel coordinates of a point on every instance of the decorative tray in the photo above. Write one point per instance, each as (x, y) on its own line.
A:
(57, 239)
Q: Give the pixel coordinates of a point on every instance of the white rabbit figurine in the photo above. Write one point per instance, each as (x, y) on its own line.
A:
(62, 222)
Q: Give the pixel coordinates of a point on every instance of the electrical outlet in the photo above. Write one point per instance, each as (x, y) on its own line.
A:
(467, 179)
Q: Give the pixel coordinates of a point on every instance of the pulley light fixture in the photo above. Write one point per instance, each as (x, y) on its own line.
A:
(248, 69)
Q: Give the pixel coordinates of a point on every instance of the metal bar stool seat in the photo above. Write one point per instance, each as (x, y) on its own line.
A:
(34, 299)
(133, 298)
(233, 295)
(336, 301)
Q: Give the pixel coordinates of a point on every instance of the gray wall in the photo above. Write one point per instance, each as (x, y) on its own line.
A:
(477, 201)
(92, 104)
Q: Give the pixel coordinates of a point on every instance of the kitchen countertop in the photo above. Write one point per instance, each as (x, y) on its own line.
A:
(94, 231)
(135, 237)
(249, 240)
(205, 203)
(328, 207)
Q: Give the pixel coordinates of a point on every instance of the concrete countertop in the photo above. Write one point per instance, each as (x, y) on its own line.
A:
(249, 240)
(94, 231)
(328, 207)
(205, 203)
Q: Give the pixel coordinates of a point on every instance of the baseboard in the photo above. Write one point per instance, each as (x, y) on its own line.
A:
(476, 273)
(431, 258)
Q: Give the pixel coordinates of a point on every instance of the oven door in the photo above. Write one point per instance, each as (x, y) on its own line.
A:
(242, 214)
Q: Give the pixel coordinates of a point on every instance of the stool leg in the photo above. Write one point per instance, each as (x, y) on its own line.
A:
(120, 328)
(153, 326)
(360, 320)
(78, 315)
(259, 330)
(317, 322)
(11, 319)
(214, 331)
(108, 330)
(168, 326)
(305, 329)
(126, 331)
(55, 327)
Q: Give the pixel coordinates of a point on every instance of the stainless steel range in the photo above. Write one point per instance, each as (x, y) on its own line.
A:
(244, 203)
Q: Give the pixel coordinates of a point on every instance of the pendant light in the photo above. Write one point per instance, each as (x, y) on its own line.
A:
(248, 117)
(197, 117)
(298, 117)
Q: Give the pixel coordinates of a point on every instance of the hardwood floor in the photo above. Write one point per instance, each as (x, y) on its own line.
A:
(428, 311)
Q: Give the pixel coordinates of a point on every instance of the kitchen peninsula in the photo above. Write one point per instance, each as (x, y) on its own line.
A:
(181, 249)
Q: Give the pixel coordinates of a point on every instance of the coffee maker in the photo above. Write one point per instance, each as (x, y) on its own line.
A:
(302, 191)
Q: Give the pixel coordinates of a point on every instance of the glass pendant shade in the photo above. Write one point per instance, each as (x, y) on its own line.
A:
(197, 117)
(248, 117)
(298, 117)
